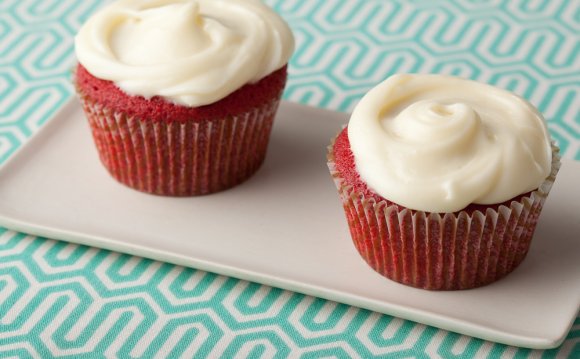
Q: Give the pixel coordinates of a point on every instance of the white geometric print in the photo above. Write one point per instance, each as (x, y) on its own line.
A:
(252, 311)
(310, 326)
(59, 299)
(192, 286)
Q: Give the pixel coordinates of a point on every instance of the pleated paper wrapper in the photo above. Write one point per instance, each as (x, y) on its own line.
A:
(181, 158)
(442, 251)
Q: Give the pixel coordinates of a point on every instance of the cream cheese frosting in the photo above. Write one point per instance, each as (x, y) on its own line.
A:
(438, 143)
(191, 52)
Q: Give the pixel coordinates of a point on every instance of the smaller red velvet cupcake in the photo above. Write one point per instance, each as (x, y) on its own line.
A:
(469, 247)
(181, 95)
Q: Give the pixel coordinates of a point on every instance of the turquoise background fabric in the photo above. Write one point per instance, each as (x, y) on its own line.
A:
(65, 300)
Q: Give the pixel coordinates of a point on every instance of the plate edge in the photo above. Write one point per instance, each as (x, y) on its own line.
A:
(433, 320)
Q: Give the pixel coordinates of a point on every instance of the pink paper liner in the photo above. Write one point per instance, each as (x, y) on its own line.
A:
(448, 251)
(181, 159)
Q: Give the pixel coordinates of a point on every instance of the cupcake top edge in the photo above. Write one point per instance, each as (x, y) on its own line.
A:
(190, 52)
(438, 143)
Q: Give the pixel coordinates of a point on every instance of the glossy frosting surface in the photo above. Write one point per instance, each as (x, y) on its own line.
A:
(191, 52)
(438, 143)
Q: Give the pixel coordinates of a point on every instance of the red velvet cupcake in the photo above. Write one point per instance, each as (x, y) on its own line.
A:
(172, 120)
(158, 147)
(472, 246)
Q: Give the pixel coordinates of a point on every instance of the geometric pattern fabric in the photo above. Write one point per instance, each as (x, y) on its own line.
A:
(71, 301)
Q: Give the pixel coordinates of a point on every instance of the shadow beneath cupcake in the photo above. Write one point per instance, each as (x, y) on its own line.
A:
(555, 248)
(297, 147)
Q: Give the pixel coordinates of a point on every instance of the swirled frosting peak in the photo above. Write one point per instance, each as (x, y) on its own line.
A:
(191, 52)
(437, 143)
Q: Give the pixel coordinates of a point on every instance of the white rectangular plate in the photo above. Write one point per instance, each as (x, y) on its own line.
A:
(285, 227)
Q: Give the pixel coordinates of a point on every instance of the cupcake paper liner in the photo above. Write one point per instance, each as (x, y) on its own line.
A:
(181, 159)
(448, 251)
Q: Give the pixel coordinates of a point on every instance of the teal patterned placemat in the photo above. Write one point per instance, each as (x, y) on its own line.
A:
(65, 300)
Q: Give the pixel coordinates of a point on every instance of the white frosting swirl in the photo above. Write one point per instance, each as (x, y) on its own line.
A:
(438, 143)
(191, 52)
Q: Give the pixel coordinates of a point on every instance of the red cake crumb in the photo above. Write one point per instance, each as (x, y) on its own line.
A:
(158, 109)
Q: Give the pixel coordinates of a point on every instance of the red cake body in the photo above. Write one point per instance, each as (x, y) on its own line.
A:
(437, 251)
(159, 147)
(158, 109)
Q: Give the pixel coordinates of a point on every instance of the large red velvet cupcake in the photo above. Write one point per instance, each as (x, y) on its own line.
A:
(158, 147)
(464, 249)
(181, 95)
